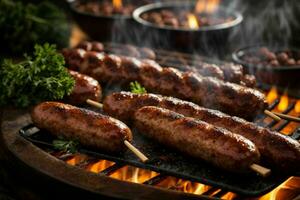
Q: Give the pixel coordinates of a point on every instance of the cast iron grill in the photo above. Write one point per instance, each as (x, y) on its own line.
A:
(185, 177)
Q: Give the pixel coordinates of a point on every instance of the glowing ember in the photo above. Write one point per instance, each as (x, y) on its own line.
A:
(272, 95)
(117, 4)
(201, 188)
(297, 107)
(192, 20)
(287, 190)
(76, 159)
(207, 6)
(100, 166)
(284, 102)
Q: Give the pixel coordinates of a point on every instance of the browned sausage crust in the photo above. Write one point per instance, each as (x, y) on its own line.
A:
(85, 88)
(210, 92)
(89, 128)
(196, 138)
(278, 150)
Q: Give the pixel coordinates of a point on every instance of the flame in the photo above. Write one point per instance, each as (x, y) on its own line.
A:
(208, 6)
(76, 159)
(100, 166)
(297, 107)
(117, 4)
(192, 21)
(283, 103)
(272, 95)
(287, 190)
(201, 188)
(133, 174)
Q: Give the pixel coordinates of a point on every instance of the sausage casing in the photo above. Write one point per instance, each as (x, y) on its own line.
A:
(89, 128)
(197, 138)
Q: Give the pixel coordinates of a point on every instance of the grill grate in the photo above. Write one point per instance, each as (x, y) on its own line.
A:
(162, 159)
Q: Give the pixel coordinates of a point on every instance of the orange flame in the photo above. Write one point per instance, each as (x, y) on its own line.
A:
(117, 4)
(76, 159)
(272, 95)
(100, 166)
(192, 21)
(297, 107)
(283, 103)
(208, 6)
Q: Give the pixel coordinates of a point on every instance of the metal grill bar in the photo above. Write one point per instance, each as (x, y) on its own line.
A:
(155, 180)
(274, 122)
(110, 170)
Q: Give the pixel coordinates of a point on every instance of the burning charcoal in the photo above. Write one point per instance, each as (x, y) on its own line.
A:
(282, 57)
(291, 62)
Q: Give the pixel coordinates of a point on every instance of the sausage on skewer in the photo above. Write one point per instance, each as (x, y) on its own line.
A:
(278, 150)
(197, 139)
(85, 88)
(90, 128)
(230, 98)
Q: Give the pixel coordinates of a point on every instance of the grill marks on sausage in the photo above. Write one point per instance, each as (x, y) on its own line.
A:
(278, 150)
(197, 138)
(90, 128)
(207, 91)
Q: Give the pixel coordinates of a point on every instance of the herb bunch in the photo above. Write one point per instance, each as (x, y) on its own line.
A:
(68, 146)
(38, 78)
(22, 25)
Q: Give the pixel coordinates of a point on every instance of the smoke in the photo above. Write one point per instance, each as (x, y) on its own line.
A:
(269, 22)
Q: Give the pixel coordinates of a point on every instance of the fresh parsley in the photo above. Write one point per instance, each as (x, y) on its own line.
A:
(68, 146)
(136, 87)
(24, 24)
(40, 77)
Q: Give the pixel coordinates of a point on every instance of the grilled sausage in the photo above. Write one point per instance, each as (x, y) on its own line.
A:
(196, 138)
(85, 88)
(278, 150)
(206, 91)
(89, 128)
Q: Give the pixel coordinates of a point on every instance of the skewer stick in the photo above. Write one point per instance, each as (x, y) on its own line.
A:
(137, 152)
(272, 115)
(132, 148)
(94, 103)
(260, 170)
(287, 117)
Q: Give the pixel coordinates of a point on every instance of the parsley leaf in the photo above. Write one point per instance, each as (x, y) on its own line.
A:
(40, 77)
(137, 88)
(65, 145)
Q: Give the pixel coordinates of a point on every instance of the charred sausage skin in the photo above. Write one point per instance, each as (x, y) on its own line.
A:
(197, 138)
(277, 150)
(89, 128)
(209, 92)
(85, 88)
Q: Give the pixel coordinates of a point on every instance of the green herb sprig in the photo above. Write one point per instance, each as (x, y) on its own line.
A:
(67, 146)
(24, 24)
(137, 88)
(40, 77)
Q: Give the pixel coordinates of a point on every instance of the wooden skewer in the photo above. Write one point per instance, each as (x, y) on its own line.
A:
(137, 152)
(287, 117)
(94, 103)
(272, 115)
(132, 148)
(260, 170)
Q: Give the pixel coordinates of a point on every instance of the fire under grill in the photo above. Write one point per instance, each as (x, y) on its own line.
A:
(172, 171)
